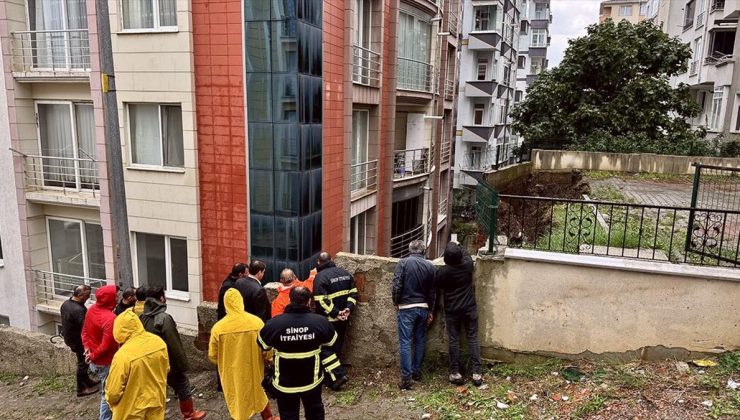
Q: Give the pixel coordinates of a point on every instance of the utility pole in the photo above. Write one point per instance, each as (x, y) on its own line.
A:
(116, 187)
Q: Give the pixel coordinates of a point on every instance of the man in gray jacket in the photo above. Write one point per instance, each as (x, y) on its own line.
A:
(414, 296)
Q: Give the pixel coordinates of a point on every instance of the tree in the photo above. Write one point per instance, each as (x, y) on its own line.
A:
(612, 93)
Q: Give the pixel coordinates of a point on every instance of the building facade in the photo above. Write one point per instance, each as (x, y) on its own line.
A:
(633, 11)
(260, 129)
(504, 49)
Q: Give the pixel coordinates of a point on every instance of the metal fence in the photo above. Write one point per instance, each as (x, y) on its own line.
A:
(486, 213)
(55, 286)
(415, 75)
(452, 22)
(400, 243)
(410, 162)
(717, 5)
(450, 89)
(364, 176)
(366, 66)
(60, 173)
(59, 50)
(446, 150)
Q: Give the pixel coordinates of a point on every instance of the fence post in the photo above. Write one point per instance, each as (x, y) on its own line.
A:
(694, 196)
(493, 224)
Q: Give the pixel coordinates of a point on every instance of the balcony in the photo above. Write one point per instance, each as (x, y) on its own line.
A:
(484, 41)
(480, 88)
(694, 68)
(400, 243)
(450, 89)
(61, 180)
(52, 289)
(717, 5)
(446, 150)
(452, 22)
(477, 133)
(475, 161)
(364, 177)
(415, 75)
(443, 208)
(365, 67)
(50, 55)
(410, 163)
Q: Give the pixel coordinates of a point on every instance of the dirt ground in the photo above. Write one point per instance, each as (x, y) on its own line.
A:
(546, 389)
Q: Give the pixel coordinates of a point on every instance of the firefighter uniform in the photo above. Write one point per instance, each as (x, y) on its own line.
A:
(298, 337)
(334, 291)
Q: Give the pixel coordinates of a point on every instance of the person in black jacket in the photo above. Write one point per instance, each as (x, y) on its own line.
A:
(73, 317)
(250, 287)
(456, 281)
(298, 337)
(158, 322)
(238, 271)
(414, 296)
(128, 300)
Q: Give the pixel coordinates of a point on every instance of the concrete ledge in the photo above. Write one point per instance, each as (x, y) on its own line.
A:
(27, 353)
(625, 264)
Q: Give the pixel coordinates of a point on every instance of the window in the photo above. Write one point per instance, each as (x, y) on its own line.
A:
(697, 52)
(714, 119)
(539, 38)
(540, 11)
(507, 74)
(59, 41)
(476, 153)
(537, 66)
(625, 11)
(478, 110)
(4, 320)
(75, 254)
(485, 18)
(360, 167)
(414, 49)
(1, 251)
(643, 9)
(358, 234)
(482, 68)
(503, 111)
(521, 61)
(518, 96)
(737, 129)
(700, 14)
(162, 261)
(688, 17)
(156, 134)
(524, 26)
(149, 14)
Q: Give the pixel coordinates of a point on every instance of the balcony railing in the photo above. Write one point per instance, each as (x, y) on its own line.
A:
(65, 51)
(475, 161)
(449, 89)
(400, 243)
(411, 162)
(452, 22)
(366, 66)
(699, 20)
(542, 14)
(60, 174)
(364, 176)
(446, 149)
(717, 58)
(415, 75)
(717, 5)
(443, 206)
(58, 287)
(694, 68)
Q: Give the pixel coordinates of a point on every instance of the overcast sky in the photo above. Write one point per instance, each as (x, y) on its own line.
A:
(569, 20)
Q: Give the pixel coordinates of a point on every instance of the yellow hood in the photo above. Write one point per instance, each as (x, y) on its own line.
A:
(233, 302)
(126, 325)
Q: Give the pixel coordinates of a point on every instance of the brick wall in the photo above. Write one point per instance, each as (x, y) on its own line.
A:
(333, 193)
(219, 89)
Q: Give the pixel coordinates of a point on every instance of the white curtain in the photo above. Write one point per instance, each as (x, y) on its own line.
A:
(138, 14)
(168, 12)
(55, 129)
(79, 46)
(48, 15)
(65, 242)
(85, 126)
(172, 135)
(145, 142)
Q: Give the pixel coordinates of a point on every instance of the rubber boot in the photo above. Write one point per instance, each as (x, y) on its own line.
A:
(267, 413)
(188, 411)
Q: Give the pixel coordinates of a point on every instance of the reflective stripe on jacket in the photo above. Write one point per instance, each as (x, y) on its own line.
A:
(334, 290)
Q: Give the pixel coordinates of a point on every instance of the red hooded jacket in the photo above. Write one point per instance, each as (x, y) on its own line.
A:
(97, 332)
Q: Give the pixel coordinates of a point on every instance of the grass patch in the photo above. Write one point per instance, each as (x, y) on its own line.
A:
(592, 406)
(9, 378)
(600, 175)
(54, 383)
(527, 370)
(627, 378)
(347, 397)
(610, 193)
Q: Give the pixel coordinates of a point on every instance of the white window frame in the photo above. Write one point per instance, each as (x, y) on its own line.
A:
(355, 222)
(736, 118)
(2, 262)
(482, 64)
(491, 20)
(83, 238)
(156, 28)
(144, 166)
(715, 117)
(477, 109)
(625, 8)
(536, 42)
(168, 291)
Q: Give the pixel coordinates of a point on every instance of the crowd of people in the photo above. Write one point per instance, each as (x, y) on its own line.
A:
(287, 350)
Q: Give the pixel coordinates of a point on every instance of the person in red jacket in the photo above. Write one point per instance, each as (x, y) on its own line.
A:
(97, 338)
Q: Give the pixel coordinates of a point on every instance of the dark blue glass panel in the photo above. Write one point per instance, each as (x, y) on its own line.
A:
(287, 152)
(259, 97)
(287, 193)
(285, 94)
(310, 100)
(310, 11)
(262, 233)
(284, 47)
(283, 9)
(260, 145)
(257, 38)
(286, 238)
(257, 9)
(261, 191)
(309, 49)
(315, 190)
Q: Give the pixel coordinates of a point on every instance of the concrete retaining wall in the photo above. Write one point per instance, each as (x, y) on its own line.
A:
(554, 160)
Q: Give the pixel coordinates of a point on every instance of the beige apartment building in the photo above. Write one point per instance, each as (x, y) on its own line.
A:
(633, 11)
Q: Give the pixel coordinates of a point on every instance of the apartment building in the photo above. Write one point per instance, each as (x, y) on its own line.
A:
(504, 48)
(633, 11)
(259, 129)
(709, 27)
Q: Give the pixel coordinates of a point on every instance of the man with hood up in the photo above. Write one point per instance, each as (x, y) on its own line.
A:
(97, 338)
(233, 347)
(158, 322)
(456, 281)
(137, 382)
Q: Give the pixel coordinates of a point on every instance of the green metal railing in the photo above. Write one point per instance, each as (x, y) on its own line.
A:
(486, 211)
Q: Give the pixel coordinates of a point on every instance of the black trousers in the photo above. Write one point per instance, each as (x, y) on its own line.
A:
(83, 378)
(454, 324)
(180, 383)
(341, 329)
(289, 405)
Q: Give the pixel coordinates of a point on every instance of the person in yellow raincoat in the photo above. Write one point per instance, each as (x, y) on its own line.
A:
(137, 382)
(233, 347)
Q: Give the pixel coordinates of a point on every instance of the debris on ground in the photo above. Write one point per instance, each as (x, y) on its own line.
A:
(683, 367)
(704, 363)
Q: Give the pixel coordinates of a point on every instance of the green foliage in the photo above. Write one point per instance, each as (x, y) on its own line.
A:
(612, 93)
(592, 406)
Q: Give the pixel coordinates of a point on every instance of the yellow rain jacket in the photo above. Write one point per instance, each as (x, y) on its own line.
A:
(233, 347)
(137, 381)
(139, 307)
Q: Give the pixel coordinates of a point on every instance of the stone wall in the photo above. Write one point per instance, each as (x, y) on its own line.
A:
(27, 353)
(553, 160)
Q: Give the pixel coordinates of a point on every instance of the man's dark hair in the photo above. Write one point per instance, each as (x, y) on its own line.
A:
(141, 293)
(324, 258)
(238, 268)
(128, 293)
(256, 266)
(156, 292)
(300, 295)
(81, 289)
